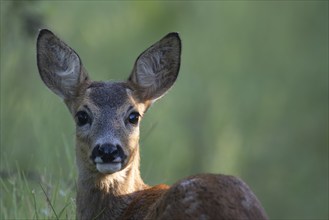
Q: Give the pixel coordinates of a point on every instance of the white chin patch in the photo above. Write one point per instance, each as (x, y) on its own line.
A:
(107, 168)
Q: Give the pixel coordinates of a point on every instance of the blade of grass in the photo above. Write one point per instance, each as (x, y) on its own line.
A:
(28, 190)
(49, 202)
(63, 209)
(35, 205)
(101, 212)
(4, 186)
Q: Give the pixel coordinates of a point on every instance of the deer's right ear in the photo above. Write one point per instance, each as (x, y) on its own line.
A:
(59, 65)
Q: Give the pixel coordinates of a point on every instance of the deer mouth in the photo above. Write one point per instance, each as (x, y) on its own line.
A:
(108, 168)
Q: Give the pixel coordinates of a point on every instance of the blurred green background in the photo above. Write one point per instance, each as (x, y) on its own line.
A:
(251, 99)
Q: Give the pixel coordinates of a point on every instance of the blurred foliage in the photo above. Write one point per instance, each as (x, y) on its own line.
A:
(251, 99)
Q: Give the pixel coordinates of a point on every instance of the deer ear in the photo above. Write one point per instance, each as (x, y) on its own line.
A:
(156, 69)
(59, 66)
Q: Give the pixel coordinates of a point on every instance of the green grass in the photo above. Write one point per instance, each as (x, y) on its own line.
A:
(36, 196)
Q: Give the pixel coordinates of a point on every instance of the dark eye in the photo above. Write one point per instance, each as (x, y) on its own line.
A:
(82, 118)
(133, 118)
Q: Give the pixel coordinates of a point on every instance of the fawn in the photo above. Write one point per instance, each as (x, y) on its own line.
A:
(107, 117)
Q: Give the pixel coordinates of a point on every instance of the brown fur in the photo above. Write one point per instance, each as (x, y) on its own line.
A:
(106, 191)
(144, 201)
(208, 196)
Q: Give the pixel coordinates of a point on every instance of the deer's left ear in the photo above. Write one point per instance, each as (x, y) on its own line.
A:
(156, 69)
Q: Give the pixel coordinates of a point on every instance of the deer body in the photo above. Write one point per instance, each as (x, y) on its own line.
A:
(107, 116)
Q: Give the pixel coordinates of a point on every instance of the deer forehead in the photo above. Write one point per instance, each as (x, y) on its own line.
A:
(108, 94)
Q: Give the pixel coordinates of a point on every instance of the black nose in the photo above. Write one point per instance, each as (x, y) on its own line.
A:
(108, 150)
(108, 153)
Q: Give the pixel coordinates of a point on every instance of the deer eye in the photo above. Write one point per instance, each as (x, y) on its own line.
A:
(82, 118)
(133, 118)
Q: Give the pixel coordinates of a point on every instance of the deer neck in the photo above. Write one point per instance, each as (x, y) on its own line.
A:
(106, 194)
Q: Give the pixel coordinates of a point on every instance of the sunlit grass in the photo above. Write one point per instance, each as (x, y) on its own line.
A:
(35, 196)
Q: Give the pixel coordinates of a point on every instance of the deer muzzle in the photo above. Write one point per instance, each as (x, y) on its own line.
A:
(108, 158)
